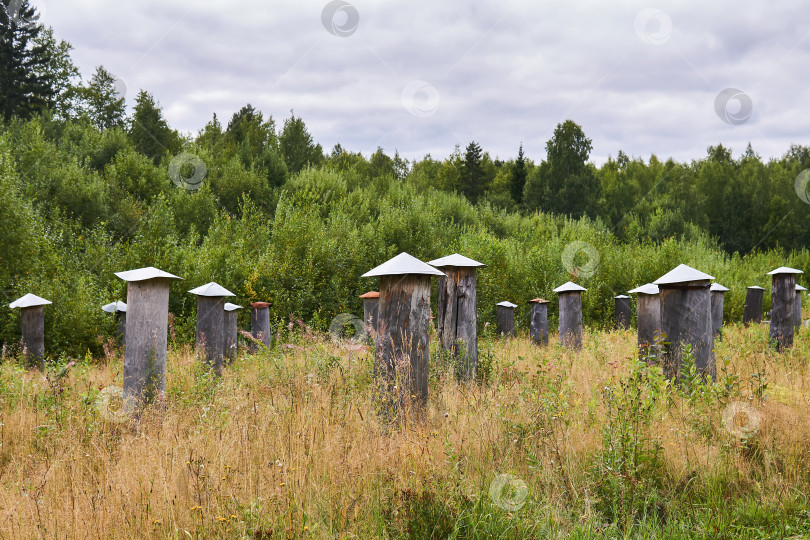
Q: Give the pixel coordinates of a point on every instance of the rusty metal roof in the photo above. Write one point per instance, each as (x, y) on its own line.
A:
(29, 300)
(211, 289)
(370, 294)
(260, 305)
(403, 264)
(142, 274)
(455, 260)
(682, 274)
(538, 301)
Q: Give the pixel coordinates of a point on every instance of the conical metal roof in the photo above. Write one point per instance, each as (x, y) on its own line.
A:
(800, 288)
(403, 264)
(211, 289)
(756, 287)
(784, 270)
(682, 274)
(506, 304)
(455, 260)
(649, 288)
(142, 274)
(569, 287)
(29, 300)
(621, 296)
(716, 287)
(231, 307)
(115, 306)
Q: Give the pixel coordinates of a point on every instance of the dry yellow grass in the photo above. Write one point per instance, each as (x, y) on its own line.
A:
(288, 444)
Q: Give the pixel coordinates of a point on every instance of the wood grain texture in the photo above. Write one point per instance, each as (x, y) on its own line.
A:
(33, 335)
(402, 351)
(753, 306)
(538, 323)
(231, 335)
(686, 319)
(783, 312)
(797, 308)
(505, 320)
(621, 313)
(458, 318)
(571, 319)
(211, 331)
(717, 312)
(260, 324)
(145, 352)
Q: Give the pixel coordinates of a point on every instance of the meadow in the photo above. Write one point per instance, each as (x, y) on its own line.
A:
(547, 443)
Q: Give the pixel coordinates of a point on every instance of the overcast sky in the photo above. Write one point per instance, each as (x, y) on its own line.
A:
(422, 76)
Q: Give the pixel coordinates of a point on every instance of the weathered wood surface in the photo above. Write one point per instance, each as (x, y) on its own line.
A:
(538, 323)
(458, 318)
(571, 319)
(121, 327)
(260, 322)
(211, 331)
(145, 352)
(505, 320)
(753, 306)
(402, 351)
(33, 335)
(231, 334)
(649, 321)
(717, 312)
(686, 319)
(783, 313)
(622, 313)
(370, 315)
(797, 307)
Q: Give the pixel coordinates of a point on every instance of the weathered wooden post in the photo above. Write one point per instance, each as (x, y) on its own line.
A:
(622, 312)
(538, 323)
(718, 295)
(211, 324)
(120, 310)
(570, 297)
(686, 319)
(402, 351)
(783, 312)
(231, 332)
(458, 311)
(753, 305)
(505, 318)
(145, 336)
(260, 322)
(797, 306)
(371, 300)
(32, 315)
(648, 306)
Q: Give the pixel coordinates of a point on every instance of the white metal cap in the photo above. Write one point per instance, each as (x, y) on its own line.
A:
(621, 296)
(784, 270)
(403, 264)
(756, 287)
(682, 274)
(29, 300)
(800, 288)
(569, 287)
(231, 307)
(455, 260)
(506, 304)
(649, 288)
(716, 287)
(115, 306)
(142, 274)
(211, 289)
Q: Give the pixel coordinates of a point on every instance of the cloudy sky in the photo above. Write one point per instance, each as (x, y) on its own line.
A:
(422, 76)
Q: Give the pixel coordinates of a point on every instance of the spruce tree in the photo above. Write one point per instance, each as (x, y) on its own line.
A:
(149, 131)
(518, 180)
(26, 83)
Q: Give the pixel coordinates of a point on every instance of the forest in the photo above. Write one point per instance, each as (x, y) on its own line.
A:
(89, 186)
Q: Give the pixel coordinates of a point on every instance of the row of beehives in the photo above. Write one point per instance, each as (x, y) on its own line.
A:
(680, 305)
